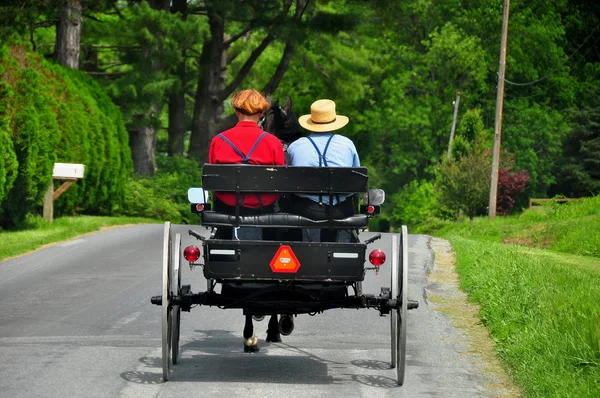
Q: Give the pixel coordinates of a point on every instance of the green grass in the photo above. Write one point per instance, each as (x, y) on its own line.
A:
(541, 306)
(573, 228)
(40, 233)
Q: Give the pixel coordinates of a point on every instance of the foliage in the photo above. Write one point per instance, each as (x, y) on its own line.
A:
(58, 115)
(152, 43)
(540, 306)
(510, 184)
(464, 184)
(379, 224)
(8, 157)
(414, 205)
(579, 173)
(164, 196)
(393, 67)
(572, 227)
(541, 311)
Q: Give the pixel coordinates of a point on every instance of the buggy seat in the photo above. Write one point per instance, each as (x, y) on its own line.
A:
(252, 179)
(240, 261)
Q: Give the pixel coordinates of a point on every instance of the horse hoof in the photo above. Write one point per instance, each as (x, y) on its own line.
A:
(251, 348)
(273, 338)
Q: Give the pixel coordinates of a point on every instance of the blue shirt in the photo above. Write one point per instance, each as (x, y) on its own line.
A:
(340, 153)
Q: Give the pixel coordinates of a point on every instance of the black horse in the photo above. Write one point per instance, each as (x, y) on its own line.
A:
(283, 123)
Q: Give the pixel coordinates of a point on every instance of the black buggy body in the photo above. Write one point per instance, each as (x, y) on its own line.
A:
(279, 276)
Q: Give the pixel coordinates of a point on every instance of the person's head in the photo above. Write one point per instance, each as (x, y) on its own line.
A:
(249, 104)
(322, 117)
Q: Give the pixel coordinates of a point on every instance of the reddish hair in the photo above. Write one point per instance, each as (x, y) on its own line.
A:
(249, 102)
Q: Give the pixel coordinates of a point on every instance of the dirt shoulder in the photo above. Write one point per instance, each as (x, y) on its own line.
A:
(445, 296)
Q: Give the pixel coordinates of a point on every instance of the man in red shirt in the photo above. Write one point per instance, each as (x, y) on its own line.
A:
(246, 143)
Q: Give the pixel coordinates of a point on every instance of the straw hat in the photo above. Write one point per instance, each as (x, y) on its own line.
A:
(322, 117)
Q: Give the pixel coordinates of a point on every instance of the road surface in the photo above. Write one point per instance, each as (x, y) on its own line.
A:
(76, 321)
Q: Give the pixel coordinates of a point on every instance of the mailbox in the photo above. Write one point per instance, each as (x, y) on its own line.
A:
(68, 170)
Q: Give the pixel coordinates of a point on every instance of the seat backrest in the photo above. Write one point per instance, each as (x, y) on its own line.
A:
(284, 179)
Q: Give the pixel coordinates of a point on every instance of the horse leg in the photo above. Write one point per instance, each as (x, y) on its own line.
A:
(250, 340)
(273, 335)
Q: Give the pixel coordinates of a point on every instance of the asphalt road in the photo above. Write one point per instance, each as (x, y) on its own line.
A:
(76, 321)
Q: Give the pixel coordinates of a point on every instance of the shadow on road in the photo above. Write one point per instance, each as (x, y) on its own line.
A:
(217, 356)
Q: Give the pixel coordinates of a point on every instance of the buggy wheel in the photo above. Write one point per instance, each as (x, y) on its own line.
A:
(167, 310)
(403, 309)
(394, 294)
(176, 291)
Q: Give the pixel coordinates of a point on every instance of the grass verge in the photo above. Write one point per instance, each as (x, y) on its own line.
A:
(542, 310)
(40, 232)
(567, 228)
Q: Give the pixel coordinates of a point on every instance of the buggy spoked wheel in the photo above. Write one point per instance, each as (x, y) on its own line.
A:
(176, 291)
(394, 294)
(167, 309)
(403, 309)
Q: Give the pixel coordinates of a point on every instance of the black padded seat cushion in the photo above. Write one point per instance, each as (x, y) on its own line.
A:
(215, 219)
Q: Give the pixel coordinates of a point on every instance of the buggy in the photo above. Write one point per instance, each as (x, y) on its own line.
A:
(279, 276)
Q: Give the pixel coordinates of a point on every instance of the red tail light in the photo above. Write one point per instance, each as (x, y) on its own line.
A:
(377, 257)
(191, 253)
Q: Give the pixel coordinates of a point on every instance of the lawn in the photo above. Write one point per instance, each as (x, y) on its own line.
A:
(536, 278)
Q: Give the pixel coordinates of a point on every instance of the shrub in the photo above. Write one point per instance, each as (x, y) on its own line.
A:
(379, 224)
(464, 184)
(53, 114)
(164, 196)
(510, 184)
(414, 205)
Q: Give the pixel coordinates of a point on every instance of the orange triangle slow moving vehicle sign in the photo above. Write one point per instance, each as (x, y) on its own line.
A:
(285, 260)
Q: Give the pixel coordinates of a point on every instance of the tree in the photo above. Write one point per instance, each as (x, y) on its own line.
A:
(68, 33)
(213, 88)
(464, 184)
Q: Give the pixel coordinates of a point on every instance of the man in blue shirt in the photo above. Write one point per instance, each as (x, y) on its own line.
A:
(323, 148)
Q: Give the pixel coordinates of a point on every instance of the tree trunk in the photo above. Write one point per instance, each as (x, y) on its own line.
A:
(143, 131)
(176, 123)
(68, 34)
(211, 81)
(142, 141)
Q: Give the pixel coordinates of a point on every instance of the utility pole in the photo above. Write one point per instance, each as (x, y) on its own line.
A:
(498, 122)
(456, 101)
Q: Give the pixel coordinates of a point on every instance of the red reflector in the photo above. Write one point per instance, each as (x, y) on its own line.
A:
(285, 260)
(370, 209)
(191, 253)
(377, 257)
(199, 207)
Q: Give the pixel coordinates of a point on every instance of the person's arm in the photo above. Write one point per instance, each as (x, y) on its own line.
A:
(355, 159)
(278, 156)
(212, 156)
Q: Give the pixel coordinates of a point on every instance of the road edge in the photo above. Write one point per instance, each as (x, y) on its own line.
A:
(445, 295)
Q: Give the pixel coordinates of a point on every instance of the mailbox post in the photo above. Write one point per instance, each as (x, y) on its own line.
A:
(70, 172)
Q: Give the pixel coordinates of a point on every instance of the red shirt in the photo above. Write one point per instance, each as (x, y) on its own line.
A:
(269, 151)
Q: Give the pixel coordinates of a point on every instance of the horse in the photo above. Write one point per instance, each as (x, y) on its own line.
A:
(281, 121)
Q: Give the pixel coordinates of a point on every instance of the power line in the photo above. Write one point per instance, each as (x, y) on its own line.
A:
(555, 69)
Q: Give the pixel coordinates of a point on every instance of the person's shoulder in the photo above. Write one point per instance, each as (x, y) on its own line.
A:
(344, 140)
(227, 132)
(299, 142)
(271, 139)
